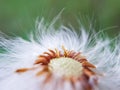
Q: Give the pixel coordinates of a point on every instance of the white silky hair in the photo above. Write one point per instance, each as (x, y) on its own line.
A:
(21, 53)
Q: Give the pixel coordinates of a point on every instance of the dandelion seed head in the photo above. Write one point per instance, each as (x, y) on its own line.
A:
(36, 64)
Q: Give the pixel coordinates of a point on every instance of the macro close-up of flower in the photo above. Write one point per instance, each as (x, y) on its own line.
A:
(59, 59)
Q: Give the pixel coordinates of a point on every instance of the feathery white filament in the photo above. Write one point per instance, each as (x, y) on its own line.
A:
(22, 53)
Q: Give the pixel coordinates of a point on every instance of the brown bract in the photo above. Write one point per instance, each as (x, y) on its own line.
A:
(44, 59)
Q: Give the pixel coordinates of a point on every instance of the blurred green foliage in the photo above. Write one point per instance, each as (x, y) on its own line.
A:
(18, 16)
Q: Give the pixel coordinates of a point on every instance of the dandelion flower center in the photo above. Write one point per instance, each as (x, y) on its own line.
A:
(66, 67)
(68, 64)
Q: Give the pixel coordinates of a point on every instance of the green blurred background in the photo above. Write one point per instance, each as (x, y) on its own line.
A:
(17, 17)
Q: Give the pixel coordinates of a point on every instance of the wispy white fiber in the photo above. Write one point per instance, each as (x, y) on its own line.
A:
(23, 53)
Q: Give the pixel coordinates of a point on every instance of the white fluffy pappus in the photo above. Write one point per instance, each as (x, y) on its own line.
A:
(20, 53)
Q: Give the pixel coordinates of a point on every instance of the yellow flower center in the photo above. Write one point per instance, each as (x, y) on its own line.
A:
(65, 67)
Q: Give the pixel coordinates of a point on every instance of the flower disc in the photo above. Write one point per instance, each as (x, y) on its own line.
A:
(66, 67)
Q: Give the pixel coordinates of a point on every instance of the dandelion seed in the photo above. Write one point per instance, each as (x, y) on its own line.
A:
(59, 60)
